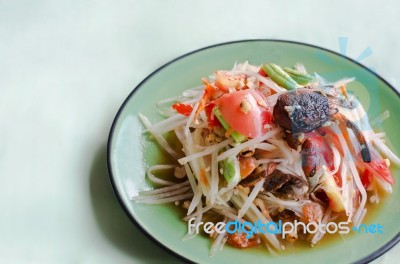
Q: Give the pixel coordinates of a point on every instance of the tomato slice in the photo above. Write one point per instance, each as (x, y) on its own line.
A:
(379, 168)
(262, 72)
(184, 109)
(249, 121)
(366, 178)
(211, 119)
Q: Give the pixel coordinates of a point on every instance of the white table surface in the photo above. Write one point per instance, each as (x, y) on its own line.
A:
(65, 69)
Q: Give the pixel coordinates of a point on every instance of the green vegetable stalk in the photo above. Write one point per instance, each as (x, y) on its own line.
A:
(228, 168)
(299, 77)
(231, 171)
(280, 76)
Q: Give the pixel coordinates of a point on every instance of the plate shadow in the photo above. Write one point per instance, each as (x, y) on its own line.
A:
(114, 223)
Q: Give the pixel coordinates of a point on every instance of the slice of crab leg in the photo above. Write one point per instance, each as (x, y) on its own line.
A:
(365, 153)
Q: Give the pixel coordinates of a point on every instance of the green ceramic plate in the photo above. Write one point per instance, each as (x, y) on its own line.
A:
(129, 152)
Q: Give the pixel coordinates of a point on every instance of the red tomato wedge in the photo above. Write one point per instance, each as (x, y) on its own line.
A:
(249, 120)
(212, 120)
(379, 168)
(183, 109)
(262, 72)
(366, 178)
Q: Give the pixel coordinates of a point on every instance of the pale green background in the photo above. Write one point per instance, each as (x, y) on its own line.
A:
(65, 68)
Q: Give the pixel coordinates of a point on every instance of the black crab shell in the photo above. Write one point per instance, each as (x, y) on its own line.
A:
(301, 110)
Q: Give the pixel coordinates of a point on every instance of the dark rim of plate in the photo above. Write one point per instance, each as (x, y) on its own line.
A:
(366, 259)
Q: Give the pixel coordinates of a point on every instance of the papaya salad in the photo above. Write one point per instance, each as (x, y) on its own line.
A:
(268, 143)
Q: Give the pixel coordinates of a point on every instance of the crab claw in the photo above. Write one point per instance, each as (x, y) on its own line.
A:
(365, 152)
(315, 153)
